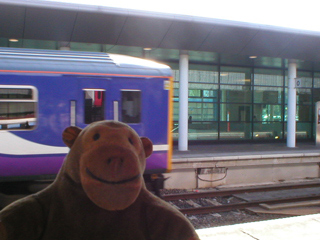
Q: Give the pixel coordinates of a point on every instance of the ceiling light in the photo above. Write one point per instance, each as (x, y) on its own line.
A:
(13, 40)
(147, 49)
(253, 57)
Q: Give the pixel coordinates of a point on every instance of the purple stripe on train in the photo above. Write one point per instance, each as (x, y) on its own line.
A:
(16, 165)
(29, 165)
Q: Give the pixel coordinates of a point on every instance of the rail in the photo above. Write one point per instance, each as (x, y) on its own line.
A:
(228, 192)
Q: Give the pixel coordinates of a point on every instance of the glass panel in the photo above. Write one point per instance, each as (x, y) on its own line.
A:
(91, 47)
(235, 75)
(194, 93)
(176, 89)
(198, 76)
(15, 93)
(235, 112)
(175, 130)
(175, 75)
(17, 108)
(267, 130)
(316, 94)
(198, 131)
(161, 54)
(304, 96)
(202, 86)
(316, 89)
(316, 80)
(131, 106)
(306, 82)
(306, 65)
(267, 77)
(94, 105)
(271, 95)
(125, 50)
(203, 131)
(303, 130)
(235, 59)
(267, 113)
(39, 44)
(176, 109)
(268, 62)
(199, 111)
(203, 76)
(303, 113)
(306, 79)
(198, 56)
(235, 130)
(236, 94)
(16, 44)
(4, 42)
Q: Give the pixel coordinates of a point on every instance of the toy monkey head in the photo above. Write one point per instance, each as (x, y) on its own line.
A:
(108, 158)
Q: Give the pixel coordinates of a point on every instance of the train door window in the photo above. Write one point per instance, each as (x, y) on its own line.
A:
(131, 106)
(93, 105)
(18, 107)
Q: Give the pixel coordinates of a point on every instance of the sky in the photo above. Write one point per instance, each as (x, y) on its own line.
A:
(284, 13)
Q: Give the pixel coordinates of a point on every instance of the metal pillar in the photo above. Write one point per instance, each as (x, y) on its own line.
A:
(292, 104)
(64, 46)
(183, 101)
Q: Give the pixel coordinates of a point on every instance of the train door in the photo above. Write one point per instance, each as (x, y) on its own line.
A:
(109, 99)
(127, 108)
(131, 106)
(92, 102)
(94, 105)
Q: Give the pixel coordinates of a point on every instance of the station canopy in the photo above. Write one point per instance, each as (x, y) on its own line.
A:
(55, 21)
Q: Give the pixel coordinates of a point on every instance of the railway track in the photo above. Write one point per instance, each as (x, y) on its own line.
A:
(243, 204)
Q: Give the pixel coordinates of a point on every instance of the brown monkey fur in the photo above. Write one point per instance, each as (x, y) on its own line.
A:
(99, 193)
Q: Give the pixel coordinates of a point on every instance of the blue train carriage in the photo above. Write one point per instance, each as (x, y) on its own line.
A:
(43, 92)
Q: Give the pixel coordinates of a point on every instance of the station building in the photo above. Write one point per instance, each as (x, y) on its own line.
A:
(233, 81)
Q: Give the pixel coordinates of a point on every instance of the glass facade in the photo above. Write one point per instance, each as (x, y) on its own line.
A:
(245, 103)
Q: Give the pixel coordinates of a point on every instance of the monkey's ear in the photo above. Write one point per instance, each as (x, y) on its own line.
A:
(70, 134)
(147, 146)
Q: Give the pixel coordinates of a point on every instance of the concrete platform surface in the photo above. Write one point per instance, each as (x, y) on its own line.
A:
(301, 227)
(241, 149)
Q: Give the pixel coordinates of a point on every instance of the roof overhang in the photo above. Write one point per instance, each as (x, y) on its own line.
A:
(45, 20)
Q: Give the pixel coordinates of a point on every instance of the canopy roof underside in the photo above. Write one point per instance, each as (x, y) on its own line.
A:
(42, 20)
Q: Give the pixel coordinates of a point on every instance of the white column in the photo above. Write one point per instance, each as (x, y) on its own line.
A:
(183, 101)
(292, 103)
(64, 46)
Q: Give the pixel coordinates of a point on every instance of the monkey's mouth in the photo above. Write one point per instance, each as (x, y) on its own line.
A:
(111, 182)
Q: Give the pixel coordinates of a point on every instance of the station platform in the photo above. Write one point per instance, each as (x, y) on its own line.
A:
(242, 164)
(301, 227)
(243, 149)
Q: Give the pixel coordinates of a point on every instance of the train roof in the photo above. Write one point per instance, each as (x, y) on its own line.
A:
(71, 62)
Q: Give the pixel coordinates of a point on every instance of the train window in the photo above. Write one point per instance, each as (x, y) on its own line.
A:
(131, 106)
(17, 107)
(93, 105)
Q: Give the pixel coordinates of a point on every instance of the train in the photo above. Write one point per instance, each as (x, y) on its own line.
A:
(44, 91)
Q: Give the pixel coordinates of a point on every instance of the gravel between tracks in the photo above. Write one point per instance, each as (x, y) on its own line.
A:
(228, 218)
(220, 219)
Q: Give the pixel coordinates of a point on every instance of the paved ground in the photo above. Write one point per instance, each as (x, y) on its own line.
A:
(302, 227)
(244, 149)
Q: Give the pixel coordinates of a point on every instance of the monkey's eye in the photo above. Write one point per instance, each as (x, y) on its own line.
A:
(130, 141)
(96, 136)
